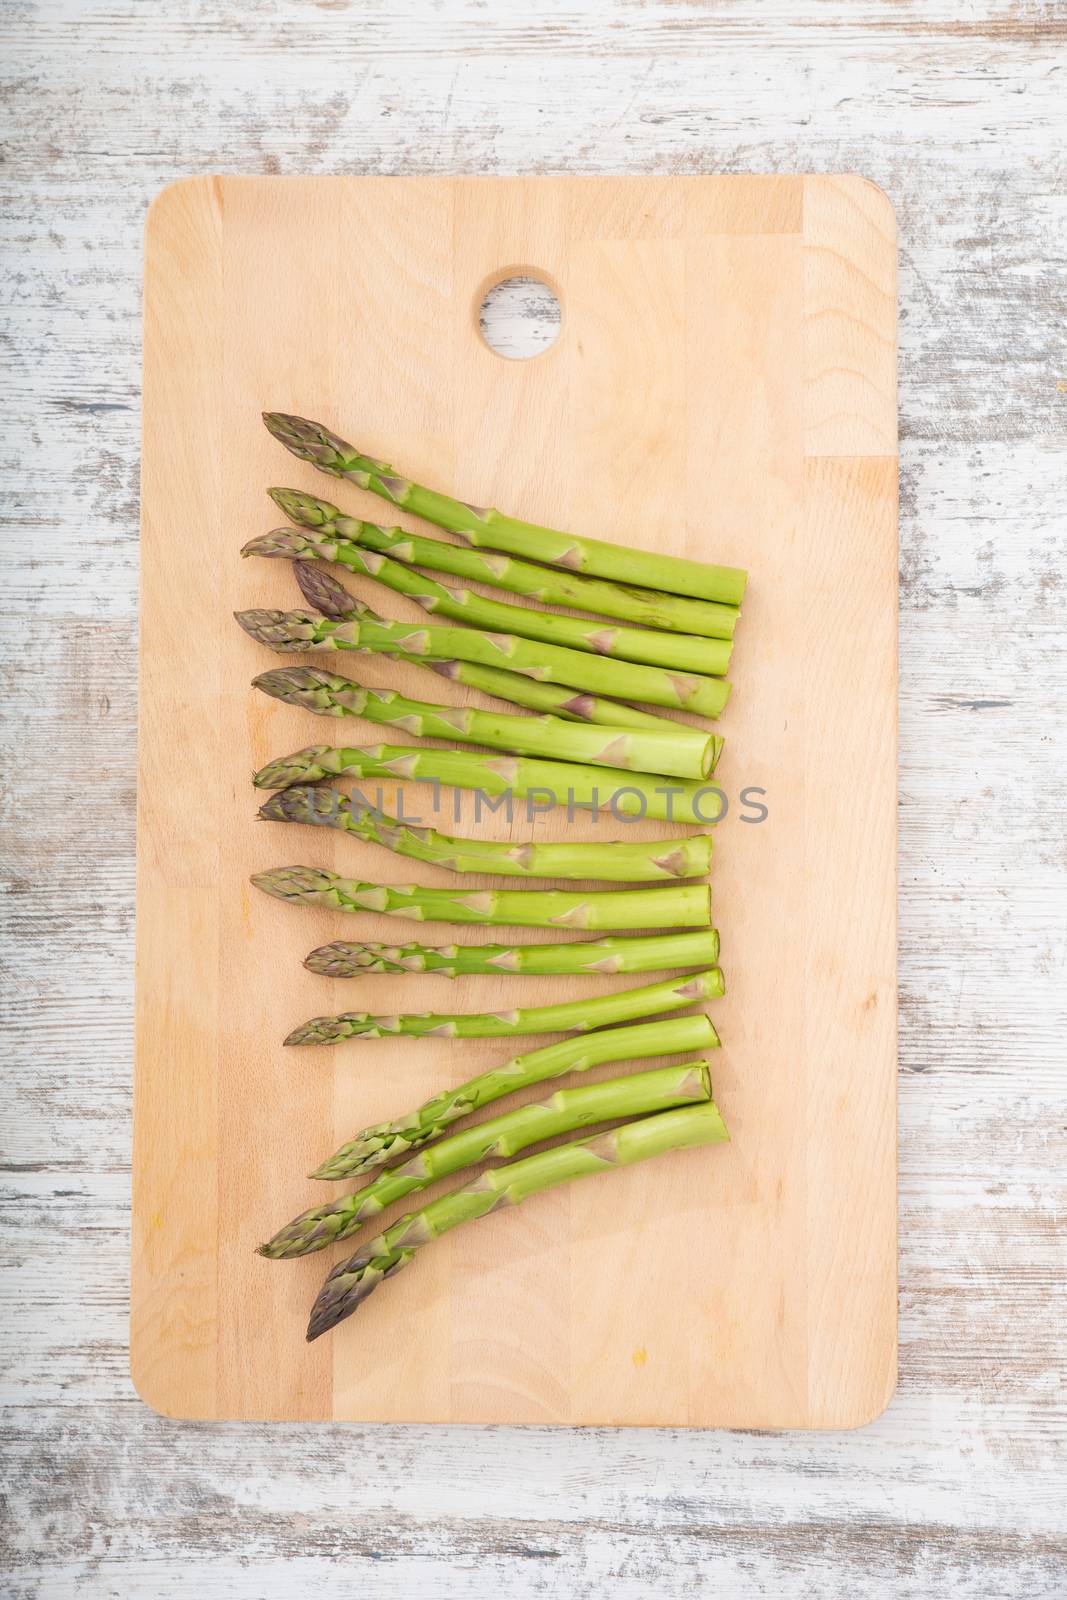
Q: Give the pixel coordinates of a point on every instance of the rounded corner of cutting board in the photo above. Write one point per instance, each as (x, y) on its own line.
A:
(176, 200)
(152, 1390)
(864, 1410)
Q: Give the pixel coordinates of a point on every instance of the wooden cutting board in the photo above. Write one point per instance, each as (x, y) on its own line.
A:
(723, 386)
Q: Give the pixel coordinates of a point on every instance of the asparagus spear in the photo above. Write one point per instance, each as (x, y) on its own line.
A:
(548, 697)
(680, 906)
(483, 526)
(563, 783)
(323, 591)
(569, 1016)
(383, 1141)
(681, 652)
(352, 1281)
(658, 953)
(325, 594)
(552, 586)
(578, 1107)
(620, 861)
(299, 630)
(681, 751)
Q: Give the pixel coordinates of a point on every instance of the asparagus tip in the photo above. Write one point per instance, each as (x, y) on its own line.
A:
(322, 591)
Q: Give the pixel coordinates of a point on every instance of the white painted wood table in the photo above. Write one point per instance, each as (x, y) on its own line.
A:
(961, 1487)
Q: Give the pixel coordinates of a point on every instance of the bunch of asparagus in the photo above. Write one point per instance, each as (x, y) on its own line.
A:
(666, 643)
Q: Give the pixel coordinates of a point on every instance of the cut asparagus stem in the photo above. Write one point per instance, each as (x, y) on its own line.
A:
(679, 652)
(352, 1281)
(506, 1135)
(325, 594)
(681, 752)
(484, 526)
(568, 1016)
(551, 585)
(546, 783)
(680, 906)
(299, 630)
(618, 861)
(385, 1141)
(346, 958)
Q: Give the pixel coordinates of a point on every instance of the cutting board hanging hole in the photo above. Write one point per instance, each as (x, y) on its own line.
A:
(519, 315)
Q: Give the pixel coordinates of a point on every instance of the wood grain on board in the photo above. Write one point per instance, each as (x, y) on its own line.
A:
(723, 386)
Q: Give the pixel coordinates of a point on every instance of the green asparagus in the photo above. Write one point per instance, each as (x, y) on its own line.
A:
(352, 1281)
(568, 1016)
(561, 783)
(321, 590)
(299, 630)
(553, 586)
(323, 593)
(384, 1141)
(548, 697)
(484, 526)
(681, 752)
(580, 1107)
(618, 861)
(345, 958)
(680, 906)
(680, 652)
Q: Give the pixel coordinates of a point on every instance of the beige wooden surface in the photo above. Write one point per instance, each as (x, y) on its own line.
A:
(723, 385)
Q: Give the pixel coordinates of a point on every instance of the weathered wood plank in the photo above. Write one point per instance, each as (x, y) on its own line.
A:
(962, 1485)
